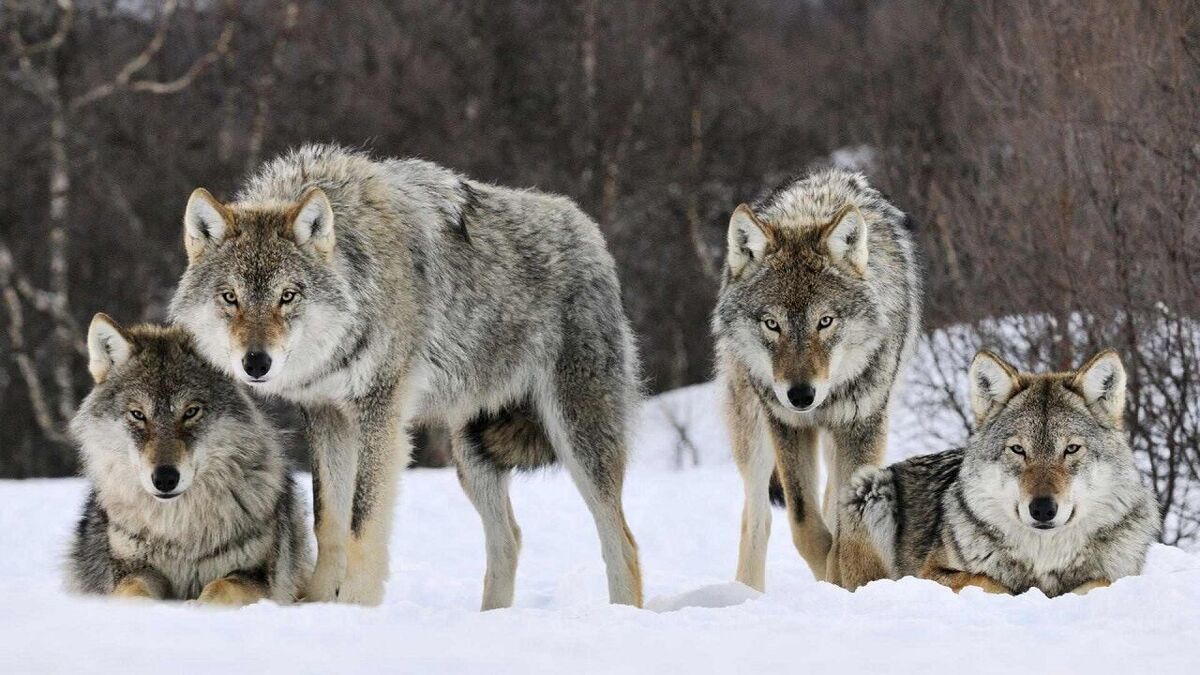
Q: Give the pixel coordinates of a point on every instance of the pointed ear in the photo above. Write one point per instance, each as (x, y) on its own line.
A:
(1101, 382)
(312, 222)
(205, 223)
(108, 346)
(993, 382)
(845, 238)
(749, 239)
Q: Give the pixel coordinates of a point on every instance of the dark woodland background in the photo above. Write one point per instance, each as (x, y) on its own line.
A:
(1049, 150)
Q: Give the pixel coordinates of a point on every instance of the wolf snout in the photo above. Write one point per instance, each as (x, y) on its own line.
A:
(801, 395)
(256, 364)
(165, 479)
(1043, 510)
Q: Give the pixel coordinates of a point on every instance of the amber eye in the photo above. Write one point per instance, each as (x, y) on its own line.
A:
(1073, 448)
(288, 296)
(825, 322)
(229, 297)
(771, 324)
(1017, 450)
(191, 412)
(138, 415)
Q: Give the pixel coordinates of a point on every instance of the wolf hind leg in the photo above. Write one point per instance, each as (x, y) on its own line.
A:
(587, 431)
(487, 486)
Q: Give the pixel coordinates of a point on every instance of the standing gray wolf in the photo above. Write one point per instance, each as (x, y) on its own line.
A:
(1045, 494)
(818, 312)
(191, 496)
(377, 293)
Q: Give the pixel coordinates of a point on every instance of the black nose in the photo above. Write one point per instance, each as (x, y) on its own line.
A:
(256, 364)
(165, 478)
(802, 395)
(1043, 509)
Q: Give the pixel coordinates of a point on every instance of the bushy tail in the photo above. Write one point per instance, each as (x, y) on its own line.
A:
(868, 511)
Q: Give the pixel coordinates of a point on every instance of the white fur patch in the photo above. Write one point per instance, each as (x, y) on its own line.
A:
(848, 240)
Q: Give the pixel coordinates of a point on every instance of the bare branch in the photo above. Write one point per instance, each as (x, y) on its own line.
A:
(123, 80)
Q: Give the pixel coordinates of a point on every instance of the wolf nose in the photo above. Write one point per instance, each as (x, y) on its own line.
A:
(165, 478)
(1043, 509)
(802, 395)
(256, 364)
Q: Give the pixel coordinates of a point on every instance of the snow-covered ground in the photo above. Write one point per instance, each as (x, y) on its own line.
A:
(686, 522)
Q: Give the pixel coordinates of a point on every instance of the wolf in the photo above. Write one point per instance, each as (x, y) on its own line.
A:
(1044, 495)
(818, 311)
(191, 498)
(376, 293)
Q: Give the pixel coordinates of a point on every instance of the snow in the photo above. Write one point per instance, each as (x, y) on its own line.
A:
(686, 519)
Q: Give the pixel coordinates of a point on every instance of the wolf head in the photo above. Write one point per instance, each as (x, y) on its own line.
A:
(260, 293)
(159, 415)
(796, 299)
(1049, 449)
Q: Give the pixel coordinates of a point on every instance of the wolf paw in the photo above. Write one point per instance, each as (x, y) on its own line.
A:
(229, 593)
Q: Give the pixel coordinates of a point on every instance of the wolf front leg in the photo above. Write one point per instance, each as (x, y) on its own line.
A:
(333, 439)
(852, 559)
(796, 458)
(144, 584)
(1092, 585)
(235, 590)
(755, 459)
(383, 449)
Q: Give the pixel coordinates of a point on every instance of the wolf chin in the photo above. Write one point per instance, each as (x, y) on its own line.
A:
(818, 312)
(379, 293)
(1044, 495)
(191, 497)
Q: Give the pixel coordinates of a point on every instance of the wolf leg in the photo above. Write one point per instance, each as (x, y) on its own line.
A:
(587, 432)
(1092, 585)
(867, 527)
(144, 583)
(755, 461)
(486, 485)
(861, 444)
(334, 442)
(384, 448)
(796, 458)
(234, 590)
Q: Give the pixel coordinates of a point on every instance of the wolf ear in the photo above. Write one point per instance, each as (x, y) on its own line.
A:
(312, 222)
(845, 238)
(1101, 381)
(993, 382)
(205, 223)
(108, 346)
(749, 239)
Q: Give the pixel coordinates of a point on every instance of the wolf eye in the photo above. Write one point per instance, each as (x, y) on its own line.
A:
(191, 412)
(1017, 450)
(1073, 448)
(288, 296)
(825, 322)
(229, 297)
(771, 324)
(137, 415)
